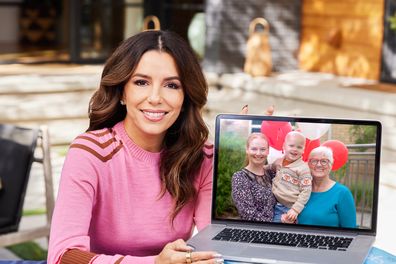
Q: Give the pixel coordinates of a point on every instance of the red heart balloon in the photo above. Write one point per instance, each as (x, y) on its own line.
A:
(340, 153)
(309, 146)
(276, 132)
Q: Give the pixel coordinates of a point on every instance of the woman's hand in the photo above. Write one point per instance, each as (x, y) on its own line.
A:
(178, 252)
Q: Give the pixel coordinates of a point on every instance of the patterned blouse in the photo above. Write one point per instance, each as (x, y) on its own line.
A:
(252, 195)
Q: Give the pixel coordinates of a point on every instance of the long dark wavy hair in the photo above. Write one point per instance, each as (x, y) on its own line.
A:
(182, 153)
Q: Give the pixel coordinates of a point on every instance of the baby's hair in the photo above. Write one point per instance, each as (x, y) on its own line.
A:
(295, 133)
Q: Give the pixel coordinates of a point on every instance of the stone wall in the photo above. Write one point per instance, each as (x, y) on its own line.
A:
(227, 25)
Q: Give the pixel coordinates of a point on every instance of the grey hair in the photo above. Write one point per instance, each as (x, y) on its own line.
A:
(328, 152)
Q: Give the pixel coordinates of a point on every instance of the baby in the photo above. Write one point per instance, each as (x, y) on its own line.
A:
(293, 181)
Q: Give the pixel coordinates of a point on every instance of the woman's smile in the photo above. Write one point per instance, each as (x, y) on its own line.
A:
(154, 115)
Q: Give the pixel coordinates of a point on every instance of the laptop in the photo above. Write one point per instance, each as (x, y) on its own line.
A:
(356, 146)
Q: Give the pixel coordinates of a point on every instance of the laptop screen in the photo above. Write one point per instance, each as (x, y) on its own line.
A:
(297, 171)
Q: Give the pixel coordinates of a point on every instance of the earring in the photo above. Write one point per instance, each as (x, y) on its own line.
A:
(122, 102)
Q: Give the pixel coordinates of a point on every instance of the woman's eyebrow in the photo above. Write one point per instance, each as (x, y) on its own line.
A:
(141, 75)
(172, 78)
(148, 77)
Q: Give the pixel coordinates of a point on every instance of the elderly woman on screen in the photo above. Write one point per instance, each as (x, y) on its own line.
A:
(331, 203)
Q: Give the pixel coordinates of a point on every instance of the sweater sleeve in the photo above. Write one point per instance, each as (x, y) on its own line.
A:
(73, 211)
(203, 204)
(305, 186)
(76, 256)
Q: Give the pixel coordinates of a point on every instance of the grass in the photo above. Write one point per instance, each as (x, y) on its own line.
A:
(30, 212)
(28, 251)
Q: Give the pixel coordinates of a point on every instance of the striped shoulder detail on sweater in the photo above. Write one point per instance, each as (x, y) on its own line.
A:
(208, 150)
(102, 144)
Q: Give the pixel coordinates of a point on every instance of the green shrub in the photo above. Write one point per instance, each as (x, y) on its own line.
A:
(231, 159)
(363, 135)
(363, 194)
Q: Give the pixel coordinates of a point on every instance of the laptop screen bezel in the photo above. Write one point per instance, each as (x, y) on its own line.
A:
(376, 123)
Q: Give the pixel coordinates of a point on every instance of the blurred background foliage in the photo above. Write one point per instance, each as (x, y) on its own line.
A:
(231, 159)
(363, 134)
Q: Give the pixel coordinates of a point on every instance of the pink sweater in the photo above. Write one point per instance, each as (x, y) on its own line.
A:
(108, 201)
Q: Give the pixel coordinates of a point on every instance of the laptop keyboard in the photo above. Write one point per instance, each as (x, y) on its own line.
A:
(284, 239)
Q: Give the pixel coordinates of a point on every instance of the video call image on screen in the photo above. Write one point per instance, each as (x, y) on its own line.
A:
(244, 191)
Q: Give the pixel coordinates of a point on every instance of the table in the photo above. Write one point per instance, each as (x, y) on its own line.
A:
(376, 256)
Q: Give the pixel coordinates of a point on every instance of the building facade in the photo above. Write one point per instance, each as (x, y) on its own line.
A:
(350, 38)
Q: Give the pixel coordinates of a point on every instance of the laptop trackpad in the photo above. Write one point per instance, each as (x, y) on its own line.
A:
(269, 252)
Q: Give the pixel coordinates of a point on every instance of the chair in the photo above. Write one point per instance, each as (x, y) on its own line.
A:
(18, 149)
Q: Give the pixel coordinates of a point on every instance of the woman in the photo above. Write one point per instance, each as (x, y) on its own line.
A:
(331, 203)
(141, 176)
(251, 186)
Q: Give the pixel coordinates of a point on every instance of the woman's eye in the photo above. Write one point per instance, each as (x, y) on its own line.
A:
(172, 85)
(141, 82)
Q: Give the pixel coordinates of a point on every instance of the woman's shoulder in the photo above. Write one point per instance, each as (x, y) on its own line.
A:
(341, 189)
(242, 178)
(241, 174)
(340, 186)
(101, 144)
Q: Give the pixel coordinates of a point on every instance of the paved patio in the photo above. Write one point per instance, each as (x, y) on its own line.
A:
(58, 95)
